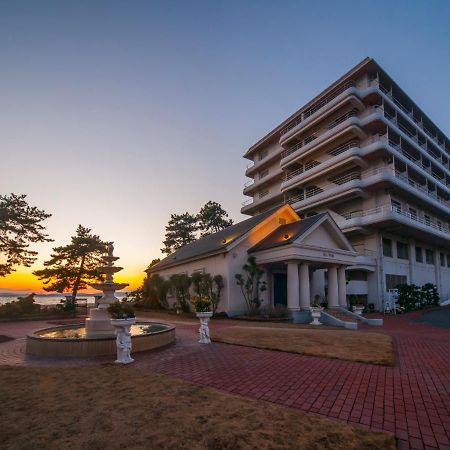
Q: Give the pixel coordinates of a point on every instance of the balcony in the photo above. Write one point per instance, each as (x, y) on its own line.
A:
(408, 114)
(253, 184)
(389, 216)
(348, 93)
(356, 183)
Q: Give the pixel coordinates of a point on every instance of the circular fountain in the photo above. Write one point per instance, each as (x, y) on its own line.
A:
(96, 337)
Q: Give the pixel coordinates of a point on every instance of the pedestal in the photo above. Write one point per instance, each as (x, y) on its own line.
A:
(204, 329)
(123, 339)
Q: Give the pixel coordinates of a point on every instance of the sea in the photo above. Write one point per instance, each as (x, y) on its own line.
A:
(52, 299)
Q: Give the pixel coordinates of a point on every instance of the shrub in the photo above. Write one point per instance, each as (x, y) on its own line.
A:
(276, 312)
(206, 285)
(121, 310)
(180, 284)
(251, 285)
(22, 306)
(201, 303)
(154, 292)
(409, 296)
(430, 294)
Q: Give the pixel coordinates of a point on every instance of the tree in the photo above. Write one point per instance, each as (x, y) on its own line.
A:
(180, 285)
(212, 218)
(154, 291)
(208, 286)
(251, 286)
(75, 266)
(180, 231)
(20, 225)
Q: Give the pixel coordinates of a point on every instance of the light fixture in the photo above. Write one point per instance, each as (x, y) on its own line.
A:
(286, 236)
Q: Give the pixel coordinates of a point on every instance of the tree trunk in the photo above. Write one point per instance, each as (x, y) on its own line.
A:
(78, 279)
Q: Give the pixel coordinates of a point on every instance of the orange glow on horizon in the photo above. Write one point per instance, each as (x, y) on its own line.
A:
(24, 280)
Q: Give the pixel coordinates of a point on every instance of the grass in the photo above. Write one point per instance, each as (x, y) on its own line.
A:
(372, 348)
(110, 407)
(4, 338)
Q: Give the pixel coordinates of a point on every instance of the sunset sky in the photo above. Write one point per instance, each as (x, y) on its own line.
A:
(115, 114)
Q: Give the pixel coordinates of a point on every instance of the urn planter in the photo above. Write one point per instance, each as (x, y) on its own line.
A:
(204, 329)
(358, 310)
(315, 314)
(123, 339)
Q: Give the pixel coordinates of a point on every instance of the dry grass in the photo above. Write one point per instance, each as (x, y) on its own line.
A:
(110, 407)
(373, 348)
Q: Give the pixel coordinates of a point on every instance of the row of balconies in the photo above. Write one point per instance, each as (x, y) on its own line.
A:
(357, 184)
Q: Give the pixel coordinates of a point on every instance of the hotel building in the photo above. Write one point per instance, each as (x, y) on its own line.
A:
(364, 152)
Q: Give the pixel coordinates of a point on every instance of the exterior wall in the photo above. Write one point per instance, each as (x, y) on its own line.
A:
(215, 265)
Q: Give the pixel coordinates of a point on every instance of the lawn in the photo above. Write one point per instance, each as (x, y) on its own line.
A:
(372, 348)
(110, 407)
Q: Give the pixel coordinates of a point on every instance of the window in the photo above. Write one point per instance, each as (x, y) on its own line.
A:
(387, 247)
(263, 154)
(448, 260)
(429, 256)
(263, 173)
(356, 275)
(392, 281)
(396, 206)
(442, 259)
(419, 254)
(402, 250)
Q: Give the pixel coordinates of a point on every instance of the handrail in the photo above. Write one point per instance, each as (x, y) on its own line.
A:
(307, 140)
(313, 109)
(396, 210)
(410, 114)
(247, 202)
(248, 183)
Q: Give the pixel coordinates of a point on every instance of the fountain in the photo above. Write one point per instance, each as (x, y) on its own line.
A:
(98, 324)
(97, 335)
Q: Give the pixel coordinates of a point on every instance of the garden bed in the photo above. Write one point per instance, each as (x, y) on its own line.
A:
(372, 348)
(110, 407)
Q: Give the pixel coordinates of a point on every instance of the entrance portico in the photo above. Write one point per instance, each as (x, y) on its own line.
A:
(303, 247)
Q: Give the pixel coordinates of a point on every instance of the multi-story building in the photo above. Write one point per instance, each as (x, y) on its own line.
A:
(366, 153)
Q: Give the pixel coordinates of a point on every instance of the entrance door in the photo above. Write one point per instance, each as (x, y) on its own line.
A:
(280, 289)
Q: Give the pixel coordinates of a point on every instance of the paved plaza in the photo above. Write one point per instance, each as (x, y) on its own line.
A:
(411, 400)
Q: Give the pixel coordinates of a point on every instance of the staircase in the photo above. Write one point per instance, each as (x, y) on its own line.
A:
(337, 318)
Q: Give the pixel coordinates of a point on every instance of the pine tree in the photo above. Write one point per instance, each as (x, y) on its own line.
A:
(180, 231)
(74, 266)
(20, 225)
(212, 218)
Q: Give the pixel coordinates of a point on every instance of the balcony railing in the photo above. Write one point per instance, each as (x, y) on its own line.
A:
(307, 140)
(394, 209)
(313, 109)
(410, 114)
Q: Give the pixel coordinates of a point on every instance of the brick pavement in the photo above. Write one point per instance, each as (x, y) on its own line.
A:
(411, 399)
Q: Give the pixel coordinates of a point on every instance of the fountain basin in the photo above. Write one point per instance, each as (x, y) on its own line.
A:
(70, 340)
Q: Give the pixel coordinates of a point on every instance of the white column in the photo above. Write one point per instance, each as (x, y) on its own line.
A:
(293, 303)
(305, 291)
(342, 286)
(333, 296)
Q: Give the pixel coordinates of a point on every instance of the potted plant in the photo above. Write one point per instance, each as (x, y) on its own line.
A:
(316, 311)
(122, 317)
(202, 306)
(358, 309)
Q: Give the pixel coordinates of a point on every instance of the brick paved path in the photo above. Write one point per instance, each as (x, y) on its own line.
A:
(411, 400)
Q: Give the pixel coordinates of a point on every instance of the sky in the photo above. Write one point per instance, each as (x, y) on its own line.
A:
(115, 114)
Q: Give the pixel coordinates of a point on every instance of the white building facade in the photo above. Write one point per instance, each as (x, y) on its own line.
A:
(365, 153)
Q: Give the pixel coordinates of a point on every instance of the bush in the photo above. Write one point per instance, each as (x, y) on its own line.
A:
(275, 312)
(121, 310)
(21, 307)
(412, 297)
(430, 294)
(201, 303)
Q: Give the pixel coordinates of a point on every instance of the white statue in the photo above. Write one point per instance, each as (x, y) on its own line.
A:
(204, 331)
(123, 342)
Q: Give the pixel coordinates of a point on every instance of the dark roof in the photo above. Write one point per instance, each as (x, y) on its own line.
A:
(213, 243)
(292, 230)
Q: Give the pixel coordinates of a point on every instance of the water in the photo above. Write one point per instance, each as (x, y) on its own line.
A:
(54, 299)
(137, 329)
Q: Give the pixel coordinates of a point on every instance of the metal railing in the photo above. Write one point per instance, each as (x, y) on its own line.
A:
(396, 210)
(303, 169)
(313, 109)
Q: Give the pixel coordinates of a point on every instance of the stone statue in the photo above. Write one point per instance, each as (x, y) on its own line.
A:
(110, 248)
(123, 342)
(204, 331)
